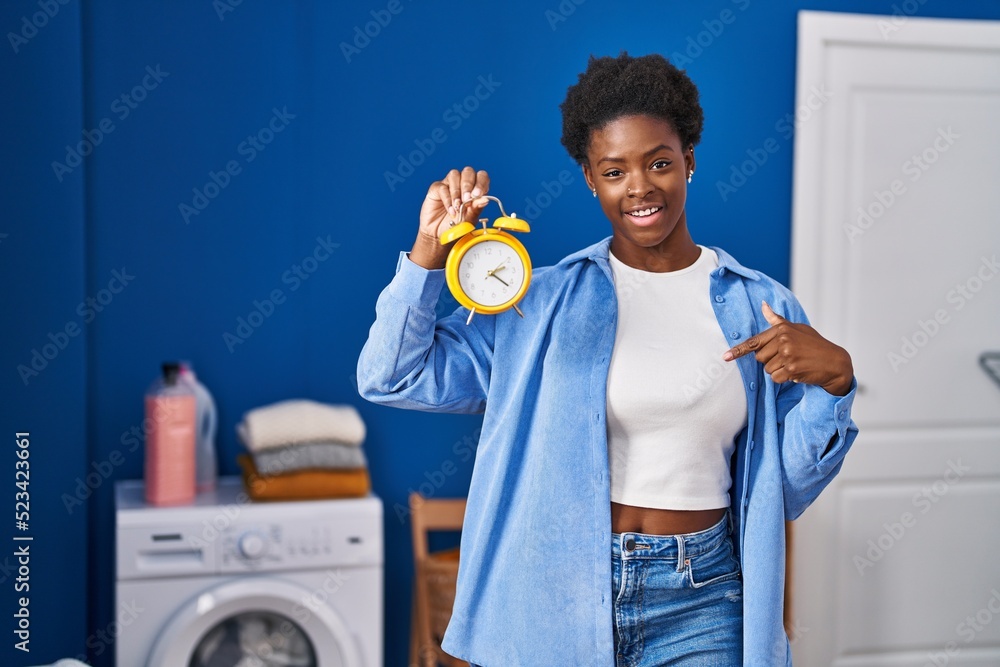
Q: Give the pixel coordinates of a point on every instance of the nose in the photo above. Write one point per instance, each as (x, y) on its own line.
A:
(639, 186)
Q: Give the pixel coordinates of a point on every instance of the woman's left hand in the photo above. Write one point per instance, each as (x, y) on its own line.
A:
(797, 352)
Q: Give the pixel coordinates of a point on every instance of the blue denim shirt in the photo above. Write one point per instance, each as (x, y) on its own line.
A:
(534, 583)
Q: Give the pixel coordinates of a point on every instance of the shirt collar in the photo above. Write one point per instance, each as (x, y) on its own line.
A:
(600, 251)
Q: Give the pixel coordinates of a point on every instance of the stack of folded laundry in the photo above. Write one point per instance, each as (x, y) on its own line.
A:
(303, 450)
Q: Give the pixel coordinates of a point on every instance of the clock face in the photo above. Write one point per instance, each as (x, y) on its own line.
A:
(491, 273)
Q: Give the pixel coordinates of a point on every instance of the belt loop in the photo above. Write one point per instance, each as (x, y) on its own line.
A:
(680, 553)
(729, 519)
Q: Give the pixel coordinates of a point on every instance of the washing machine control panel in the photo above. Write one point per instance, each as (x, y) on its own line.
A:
(270, 546)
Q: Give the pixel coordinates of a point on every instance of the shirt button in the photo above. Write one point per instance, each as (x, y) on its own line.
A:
(719, 298)
(746, 502)
(843, 414)
(753, 386)
(629, 544)
(734, 335)
(751, 444)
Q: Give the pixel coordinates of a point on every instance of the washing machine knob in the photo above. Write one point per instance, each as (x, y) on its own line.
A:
(252, 545)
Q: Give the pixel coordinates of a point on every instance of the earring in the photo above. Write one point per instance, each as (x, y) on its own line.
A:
(594, 191)
(690, 174)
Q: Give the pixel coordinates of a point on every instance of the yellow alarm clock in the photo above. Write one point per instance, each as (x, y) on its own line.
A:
(488, 270)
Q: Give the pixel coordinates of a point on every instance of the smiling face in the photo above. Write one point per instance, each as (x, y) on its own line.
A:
(640, 171)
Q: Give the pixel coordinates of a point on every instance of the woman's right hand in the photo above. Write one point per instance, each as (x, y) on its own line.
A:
(440, 209)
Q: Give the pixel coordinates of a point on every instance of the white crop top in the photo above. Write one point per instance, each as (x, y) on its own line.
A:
(674, 406)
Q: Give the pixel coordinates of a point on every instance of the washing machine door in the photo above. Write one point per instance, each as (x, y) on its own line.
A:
(258, 621)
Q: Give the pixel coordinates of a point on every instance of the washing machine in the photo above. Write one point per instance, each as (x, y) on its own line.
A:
(227, 582)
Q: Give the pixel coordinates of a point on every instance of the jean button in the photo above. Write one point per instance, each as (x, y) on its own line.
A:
(629, 544)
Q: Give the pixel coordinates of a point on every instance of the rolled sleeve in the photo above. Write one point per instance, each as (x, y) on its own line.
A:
(414, 360)
(816, 433)
(414, 285)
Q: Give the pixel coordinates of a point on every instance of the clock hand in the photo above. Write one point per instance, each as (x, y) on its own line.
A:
(490, 274)
(499, 267)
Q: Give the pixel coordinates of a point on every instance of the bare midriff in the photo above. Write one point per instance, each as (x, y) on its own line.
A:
(632, 519)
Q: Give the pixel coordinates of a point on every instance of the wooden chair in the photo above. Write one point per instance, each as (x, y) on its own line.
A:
(434, 579)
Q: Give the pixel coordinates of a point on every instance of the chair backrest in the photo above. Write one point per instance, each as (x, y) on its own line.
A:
(430, 514)
(435, 575)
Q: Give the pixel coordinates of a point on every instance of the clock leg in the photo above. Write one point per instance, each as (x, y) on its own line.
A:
(471, 313)
(519, 311)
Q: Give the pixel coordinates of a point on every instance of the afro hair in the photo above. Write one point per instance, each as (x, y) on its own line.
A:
(626, 86)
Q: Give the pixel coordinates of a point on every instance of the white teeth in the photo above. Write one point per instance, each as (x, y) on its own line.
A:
(645, 212)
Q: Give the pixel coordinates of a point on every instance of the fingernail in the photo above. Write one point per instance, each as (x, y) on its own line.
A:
(728, 356)
(456, 201)
(451, 209)
(477, 192)
(466, 196)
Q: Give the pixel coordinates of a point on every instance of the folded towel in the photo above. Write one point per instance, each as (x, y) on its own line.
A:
(308, 455)
(300, 420)
(304, 484)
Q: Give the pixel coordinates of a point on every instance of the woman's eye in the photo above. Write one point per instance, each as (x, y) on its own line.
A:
(613, 172)
(662, 164)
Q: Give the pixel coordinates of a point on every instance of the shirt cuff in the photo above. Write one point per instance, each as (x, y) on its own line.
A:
(415, 285)
(840, 406)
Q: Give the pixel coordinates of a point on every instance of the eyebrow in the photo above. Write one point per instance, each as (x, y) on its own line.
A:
(646, 154)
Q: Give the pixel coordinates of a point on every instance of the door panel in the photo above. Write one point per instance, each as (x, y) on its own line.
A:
(896, 243)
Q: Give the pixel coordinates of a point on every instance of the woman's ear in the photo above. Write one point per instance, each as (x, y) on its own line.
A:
(689, 159)
(587, 175)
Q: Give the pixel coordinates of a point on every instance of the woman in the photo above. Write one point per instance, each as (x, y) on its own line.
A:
(634, 471)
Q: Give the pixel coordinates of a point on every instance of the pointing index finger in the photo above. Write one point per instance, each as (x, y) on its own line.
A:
(751, 344)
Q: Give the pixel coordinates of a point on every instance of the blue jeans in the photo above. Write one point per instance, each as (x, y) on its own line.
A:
(678, 599)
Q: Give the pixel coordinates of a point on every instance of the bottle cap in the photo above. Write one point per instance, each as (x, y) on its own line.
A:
(170, 371)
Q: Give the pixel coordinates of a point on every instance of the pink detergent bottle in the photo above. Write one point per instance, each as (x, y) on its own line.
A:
(170, 440)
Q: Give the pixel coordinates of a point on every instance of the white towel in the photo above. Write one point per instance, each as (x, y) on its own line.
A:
(300, 420)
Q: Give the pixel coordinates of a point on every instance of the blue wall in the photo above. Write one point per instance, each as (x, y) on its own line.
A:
(199, 79)
(43, 242)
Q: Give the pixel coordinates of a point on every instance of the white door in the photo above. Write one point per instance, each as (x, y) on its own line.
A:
(896, 242)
